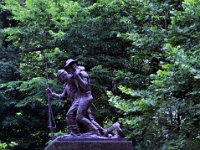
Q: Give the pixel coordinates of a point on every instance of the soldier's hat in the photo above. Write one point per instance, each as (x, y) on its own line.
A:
(69, 62)
(60, 72)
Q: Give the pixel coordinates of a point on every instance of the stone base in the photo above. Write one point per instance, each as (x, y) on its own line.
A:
(75, 143)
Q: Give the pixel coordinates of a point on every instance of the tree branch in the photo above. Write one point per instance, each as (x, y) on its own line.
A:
(35, 49)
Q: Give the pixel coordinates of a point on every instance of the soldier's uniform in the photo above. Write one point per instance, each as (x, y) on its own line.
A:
(84, 97)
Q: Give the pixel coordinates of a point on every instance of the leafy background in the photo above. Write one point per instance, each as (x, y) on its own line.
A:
(143, 58)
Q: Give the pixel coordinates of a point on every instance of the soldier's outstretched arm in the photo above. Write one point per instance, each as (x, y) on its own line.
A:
(55, 95)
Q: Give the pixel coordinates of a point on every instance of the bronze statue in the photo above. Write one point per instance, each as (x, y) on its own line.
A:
(70, 91)
(76, 87)
(82, 83)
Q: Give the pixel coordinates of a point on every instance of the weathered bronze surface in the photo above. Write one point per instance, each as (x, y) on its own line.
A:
(76, 84)
(85, 132)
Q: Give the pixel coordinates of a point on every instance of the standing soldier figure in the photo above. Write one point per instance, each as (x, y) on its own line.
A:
(84, 95)
(69, 91)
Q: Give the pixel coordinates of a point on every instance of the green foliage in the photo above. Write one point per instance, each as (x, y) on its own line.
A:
(8, 72)
(169, 108)
(4, 146)
(172, 97)
(41, 22)
(145, 53)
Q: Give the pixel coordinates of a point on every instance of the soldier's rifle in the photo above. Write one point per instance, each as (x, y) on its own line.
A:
(51, 119)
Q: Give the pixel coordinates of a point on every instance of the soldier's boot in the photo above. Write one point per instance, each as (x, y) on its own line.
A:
(74, 130)
(115, 126)
(119, 130)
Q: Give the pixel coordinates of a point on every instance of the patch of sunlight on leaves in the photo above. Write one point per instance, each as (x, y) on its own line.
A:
(129, 91)
(18, 113)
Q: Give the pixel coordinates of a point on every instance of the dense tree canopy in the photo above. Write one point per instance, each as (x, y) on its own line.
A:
(143, 58)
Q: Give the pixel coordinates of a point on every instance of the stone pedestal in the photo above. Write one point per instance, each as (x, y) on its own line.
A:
(89, 144)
